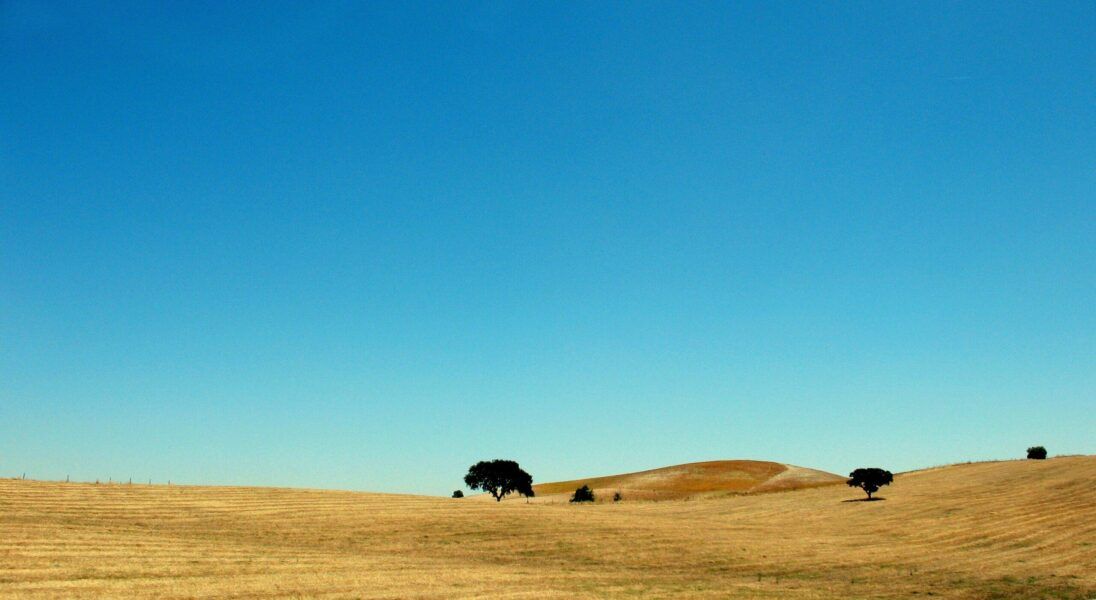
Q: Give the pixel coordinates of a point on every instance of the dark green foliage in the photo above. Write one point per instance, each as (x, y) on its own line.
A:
(870, 479)
(617, 497)
(583, 494)
(458, 494)
(499, 477)
(1037, 453)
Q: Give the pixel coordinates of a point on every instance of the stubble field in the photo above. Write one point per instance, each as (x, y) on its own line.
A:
(1015, 529)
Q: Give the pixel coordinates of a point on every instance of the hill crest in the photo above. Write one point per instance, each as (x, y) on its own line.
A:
(698, 479)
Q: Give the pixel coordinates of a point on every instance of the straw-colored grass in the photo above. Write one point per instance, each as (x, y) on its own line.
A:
(693, 480)
(1018, 529)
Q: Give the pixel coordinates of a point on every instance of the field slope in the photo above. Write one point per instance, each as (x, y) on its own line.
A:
(702, 479)
(1016, 529)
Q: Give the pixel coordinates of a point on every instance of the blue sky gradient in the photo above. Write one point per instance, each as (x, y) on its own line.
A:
(364, 245)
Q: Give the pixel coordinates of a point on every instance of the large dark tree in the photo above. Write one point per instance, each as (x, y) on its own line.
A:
(499, 478)
(870, 480)
(1037, 452)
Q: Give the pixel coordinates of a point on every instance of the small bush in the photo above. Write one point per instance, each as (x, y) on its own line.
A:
(1037, 453)
(583, 494)
(617, 497)
(458, 494)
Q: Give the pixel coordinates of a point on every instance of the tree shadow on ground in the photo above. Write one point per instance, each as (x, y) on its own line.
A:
(864, 499)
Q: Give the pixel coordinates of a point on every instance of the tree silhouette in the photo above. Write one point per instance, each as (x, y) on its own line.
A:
(1037, 452)
(458, 494)
(499, 477)
(870, 479)
(583, 494)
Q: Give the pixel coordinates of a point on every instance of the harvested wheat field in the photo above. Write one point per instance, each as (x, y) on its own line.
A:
(1017, 529)
(693, 480)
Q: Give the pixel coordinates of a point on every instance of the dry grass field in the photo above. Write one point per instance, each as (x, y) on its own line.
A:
(1016, 529)
(693, 480)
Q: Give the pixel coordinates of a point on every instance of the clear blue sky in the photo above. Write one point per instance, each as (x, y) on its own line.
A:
(363, 245)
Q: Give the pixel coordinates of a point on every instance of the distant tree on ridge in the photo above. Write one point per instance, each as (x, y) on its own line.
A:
(870, 479)
(499, 477)
(458, 494)
(1037, 453)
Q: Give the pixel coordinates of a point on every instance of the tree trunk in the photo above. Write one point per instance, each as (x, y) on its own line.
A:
(869, 494)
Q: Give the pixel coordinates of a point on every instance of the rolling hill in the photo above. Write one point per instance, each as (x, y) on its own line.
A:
(702, 479)
(1011, 529)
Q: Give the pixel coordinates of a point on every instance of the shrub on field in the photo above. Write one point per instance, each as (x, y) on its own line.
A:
(583, 494)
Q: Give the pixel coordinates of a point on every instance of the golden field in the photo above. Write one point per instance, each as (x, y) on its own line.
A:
(1015, 529)
(694, 480)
